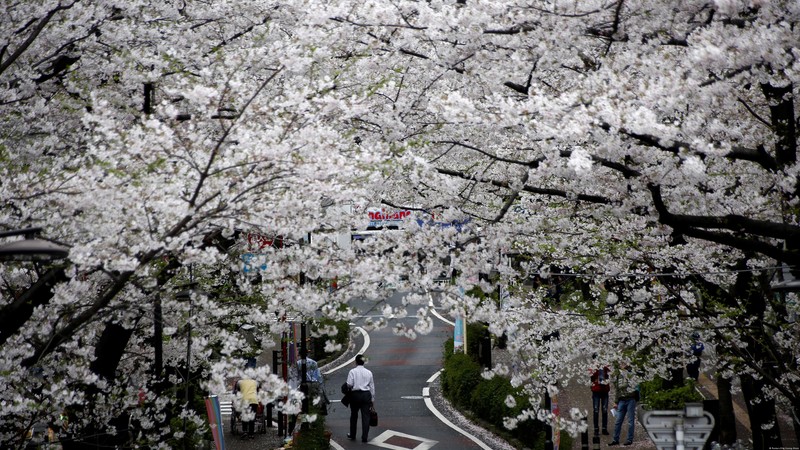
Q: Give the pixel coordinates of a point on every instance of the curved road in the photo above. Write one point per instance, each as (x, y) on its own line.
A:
(402, 369)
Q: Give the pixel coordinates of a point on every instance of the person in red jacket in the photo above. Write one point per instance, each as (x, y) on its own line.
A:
(600, 389)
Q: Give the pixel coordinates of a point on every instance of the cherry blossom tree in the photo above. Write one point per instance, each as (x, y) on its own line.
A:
(151, 137)
(647, 148)
(644, 152)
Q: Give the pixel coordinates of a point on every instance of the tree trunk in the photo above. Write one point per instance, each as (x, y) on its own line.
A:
(158, 337)
(108, 353)
(796, 422)
(727, 418)
(763, 416)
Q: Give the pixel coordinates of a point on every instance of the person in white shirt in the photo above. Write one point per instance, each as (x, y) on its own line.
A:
(362, 396)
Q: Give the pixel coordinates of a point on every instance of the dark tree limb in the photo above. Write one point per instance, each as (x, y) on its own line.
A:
(42, 23)
(15, 315)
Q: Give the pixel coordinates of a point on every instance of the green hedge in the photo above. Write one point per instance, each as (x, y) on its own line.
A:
(463, 385)
(318, 343)
(489, 397)
(655, 396)
(312, 438)
(461, 376)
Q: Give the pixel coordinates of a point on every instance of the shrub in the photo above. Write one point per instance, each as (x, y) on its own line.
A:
(475, 332)
(318, 343)
(655, 396)
(468, 391)
(313, 437)
(460, 377)
(448, 349)
(488, 400)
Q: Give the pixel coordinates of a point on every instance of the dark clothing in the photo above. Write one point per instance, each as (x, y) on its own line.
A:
(601, 381)
(600, 403)
(250, 425)
(360, 402)
(693, 368)
(601, 386)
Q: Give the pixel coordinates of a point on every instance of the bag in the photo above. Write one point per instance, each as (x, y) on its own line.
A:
(346, 391)
(373, 417)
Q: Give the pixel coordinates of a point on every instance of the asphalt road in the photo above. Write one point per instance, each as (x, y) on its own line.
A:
(402, 368)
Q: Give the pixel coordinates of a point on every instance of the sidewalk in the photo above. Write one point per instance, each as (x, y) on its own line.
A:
(269, 440)
(578, 394)
(708, 388)
(575, 396)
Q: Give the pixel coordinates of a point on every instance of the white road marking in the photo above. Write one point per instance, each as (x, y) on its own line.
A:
(436, 313)
(380, 441)
(440, 416)
(425, 395)
(351, 360)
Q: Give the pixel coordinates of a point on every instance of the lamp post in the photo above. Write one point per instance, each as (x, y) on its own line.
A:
(304, 425)
(186, 294)
(548, 429)
(30, 248)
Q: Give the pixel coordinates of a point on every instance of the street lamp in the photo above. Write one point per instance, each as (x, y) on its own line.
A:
(186, 295)
(30, 248)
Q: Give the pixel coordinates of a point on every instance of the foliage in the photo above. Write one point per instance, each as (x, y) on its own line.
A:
(341, 338)
(486, 399)
(313, 437)
(647, 148)
(655, 396)
(460, 377)
(475, 333)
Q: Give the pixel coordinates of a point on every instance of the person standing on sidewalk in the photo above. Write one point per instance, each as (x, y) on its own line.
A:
(362, 395)
(695, 352)
(627, 394)
(600, 388)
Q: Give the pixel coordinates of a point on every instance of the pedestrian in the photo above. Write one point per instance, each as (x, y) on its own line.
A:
(695, 352)
(249, 396)
(313, 375)
(601, 386)
(362, 396)
(626, 394)
(311, 385)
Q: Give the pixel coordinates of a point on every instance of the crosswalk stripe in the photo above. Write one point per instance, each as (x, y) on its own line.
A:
(226, 407)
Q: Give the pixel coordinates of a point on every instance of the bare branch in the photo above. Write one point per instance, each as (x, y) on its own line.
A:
(32, 37)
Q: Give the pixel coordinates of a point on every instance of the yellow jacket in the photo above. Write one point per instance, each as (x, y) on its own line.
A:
(249, 389)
